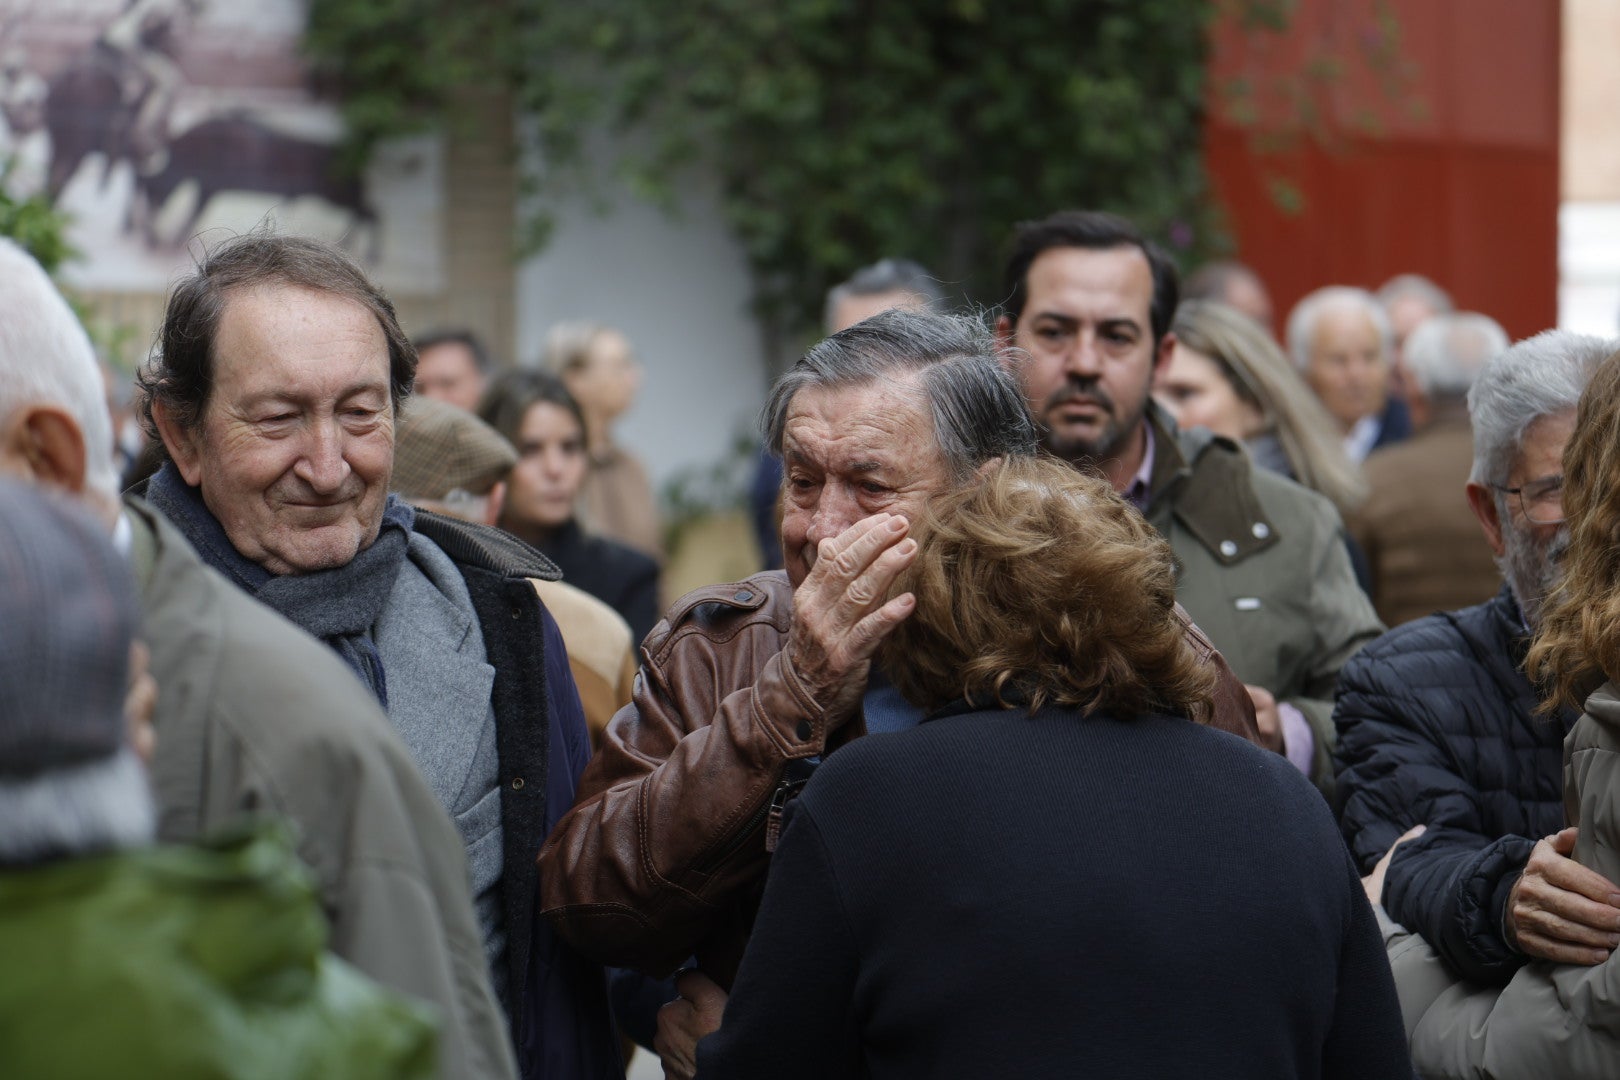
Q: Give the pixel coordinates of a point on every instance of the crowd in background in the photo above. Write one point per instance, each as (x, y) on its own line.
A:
(1237, 690)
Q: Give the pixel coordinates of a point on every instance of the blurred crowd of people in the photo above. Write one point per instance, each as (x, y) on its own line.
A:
(1130, 690)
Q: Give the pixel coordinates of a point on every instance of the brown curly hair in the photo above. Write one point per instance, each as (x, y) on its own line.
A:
(1578, 644)
(1037, 584)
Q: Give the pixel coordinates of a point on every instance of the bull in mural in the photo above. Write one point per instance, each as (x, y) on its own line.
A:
(237, 153)
(113, 103)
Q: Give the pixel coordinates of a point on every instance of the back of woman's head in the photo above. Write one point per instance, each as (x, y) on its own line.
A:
(1262, 376)
(1578, 643)
(1037, 584)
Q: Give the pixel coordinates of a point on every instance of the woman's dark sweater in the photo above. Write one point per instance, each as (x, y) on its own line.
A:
(621, 577)
(995, 895)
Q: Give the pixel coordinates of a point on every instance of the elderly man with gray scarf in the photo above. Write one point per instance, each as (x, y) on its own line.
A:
(275, 391)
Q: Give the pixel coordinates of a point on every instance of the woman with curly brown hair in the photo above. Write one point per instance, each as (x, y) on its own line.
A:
(1056, 871)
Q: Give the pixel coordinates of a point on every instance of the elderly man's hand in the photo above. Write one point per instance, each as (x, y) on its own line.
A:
(140, 702)
(1374, 882)
(1267, 718)
(1560, 910)
(839, 616)
(682, 1022)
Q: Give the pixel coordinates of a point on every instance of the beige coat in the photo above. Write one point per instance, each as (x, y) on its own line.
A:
(255, 717)
(1551, 1020)
(1423, 544)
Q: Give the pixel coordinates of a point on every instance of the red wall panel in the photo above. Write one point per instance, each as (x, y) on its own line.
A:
(1462, 188)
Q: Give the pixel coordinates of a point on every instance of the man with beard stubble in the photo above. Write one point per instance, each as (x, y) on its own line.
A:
(1262, 565)
(1446, 776)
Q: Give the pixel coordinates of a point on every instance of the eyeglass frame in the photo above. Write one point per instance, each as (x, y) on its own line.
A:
(1557, 484)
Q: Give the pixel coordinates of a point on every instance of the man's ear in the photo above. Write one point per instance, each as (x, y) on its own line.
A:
(181, 442)
(1161, 359)
(494, 502)
(1482, 501)
(46, 441)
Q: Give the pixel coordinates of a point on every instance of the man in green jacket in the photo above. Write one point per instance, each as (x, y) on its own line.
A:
(256, 717)
(1262, 563)
(120, 958)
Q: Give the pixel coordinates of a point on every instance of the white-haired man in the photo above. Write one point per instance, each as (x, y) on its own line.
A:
(78, 869)
(1437, 722)
(255, 716)
(1416, 530)
(1340, 339)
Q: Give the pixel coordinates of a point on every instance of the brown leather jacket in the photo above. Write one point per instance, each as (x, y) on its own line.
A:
(663, 855)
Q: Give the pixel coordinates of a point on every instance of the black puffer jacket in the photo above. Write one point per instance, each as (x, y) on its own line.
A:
(1436, 726)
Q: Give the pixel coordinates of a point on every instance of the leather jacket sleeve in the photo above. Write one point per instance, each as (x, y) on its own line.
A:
(668, 829)
(667, 837)
(1231, 708)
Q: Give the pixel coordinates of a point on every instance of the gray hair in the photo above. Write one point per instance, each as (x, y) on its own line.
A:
(46, 357)
(102, 805)
(1446, 353)
(886, 276)
(1540, 376)
(976, 405)
(1416, 287)
(1309, 311)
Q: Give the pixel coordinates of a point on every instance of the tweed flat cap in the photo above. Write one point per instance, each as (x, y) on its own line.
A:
(440, 449)
(67, 614)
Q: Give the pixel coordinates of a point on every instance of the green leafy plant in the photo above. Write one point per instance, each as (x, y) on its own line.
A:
(841, 130)
(34, 224)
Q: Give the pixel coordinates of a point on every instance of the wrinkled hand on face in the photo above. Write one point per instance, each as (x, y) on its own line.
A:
(682, 1023)
(840, 614)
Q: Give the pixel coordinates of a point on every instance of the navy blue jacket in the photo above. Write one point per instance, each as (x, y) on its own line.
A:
(1436, 726)
(1001, 895)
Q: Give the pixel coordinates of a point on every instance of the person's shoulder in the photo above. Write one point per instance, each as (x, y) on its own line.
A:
(484, 547)
(1453, 636)
(618, 559)
(591, 630)
(1288, 499)
(721, 612)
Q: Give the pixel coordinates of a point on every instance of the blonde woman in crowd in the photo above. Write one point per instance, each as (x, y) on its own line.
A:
(1229, 376)
(600, 370)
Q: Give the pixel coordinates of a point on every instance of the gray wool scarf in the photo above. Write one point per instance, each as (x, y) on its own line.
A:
(339, 605)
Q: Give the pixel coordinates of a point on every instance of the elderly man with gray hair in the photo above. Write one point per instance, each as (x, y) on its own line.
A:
(745, 687)
(1448, 781)
(1340, 339)
(1416, 530)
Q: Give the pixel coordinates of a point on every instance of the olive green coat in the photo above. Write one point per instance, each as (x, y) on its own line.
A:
(1263, 569)
(185, 963)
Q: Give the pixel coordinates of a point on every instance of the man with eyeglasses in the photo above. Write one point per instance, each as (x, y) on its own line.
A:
(1450, 785)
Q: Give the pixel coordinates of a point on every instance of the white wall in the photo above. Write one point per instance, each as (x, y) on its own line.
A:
(678, 287)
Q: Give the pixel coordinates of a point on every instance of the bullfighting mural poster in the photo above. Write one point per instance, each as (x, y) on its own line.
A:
(160, 123)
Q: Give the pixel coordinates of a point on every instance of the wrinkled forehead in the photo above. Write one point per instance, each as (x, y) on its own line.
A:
(299, 340)
(885, 417)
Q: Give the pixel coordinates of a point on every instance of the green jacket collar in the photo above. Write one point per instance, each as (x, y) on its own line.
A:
(1206, 482)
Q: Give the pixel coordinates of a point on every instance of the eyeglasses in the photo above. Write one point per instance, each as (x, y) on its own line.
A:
(1541, 500)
